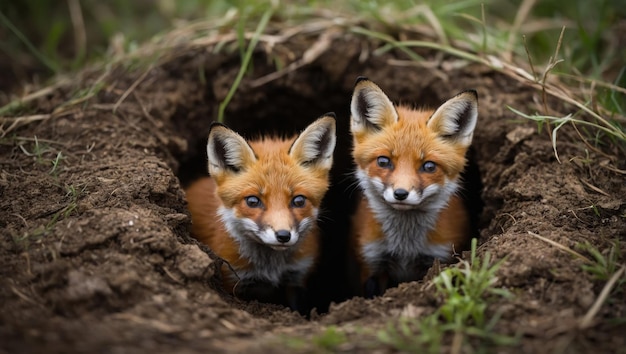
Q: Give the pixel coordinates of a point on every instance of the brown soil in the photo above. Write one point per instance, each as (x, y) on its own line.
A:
(96, 254)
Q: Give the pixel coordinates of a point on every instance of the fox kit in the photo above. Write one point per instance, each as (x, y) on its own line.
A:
(408, 164)
(258, 209)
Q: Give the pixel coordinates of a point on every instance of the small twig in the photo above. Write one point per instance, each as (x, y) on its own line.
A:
(80, 35)
(614, 169)
(560, 246)
(21, 218)
(47, 141)
(155, 124)
(484, 27)
(520, 16)
(22, 295)
(131, 88)
(551, 65)
(158, 325)
(434, 22)
(577, 218)
(146, 113)
(30, 97)
(457, 342)
(509, 215)
(592, 148)
(309, 56)
(28, 266)
(603, 84)
(594, 188)
(530, 60)
(18, 121)
(586, 321)
(172, 276)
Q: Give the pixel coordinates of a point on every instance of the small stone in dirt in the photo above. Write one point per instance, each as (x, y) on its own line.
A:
(519, 133)
(412, 311)
(193, 262)
(176, 218)
(82, 286)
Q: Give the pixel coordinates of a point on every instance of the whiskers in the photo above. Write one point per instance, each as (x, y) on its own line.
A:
(323, 217)
(353, 185)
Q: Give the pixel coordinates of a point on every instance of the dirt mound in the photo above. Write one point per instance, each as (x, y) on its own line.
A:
(95, 248)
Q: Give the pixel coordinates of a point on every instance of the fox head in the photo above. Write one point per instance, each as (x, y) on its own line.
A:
(410, 159)
(271, 189)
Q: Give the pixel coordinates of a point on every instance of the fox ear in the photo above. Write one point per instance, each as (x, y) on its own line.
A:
(227, 150)
(314, 147)
(456, 118)
(370, 108)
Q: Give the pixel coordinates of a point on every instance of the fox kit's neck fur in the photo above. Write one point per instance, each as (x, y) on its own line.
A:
(258, 210)
(408, 166)
(262, 263)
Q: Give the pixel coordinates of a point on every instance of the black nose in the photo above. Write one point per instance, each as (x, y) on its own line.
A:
(400, 194)
(283, 236)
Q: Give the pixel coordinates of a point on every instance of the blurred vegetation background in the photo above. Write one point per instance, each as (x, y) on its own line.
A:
(41, 38)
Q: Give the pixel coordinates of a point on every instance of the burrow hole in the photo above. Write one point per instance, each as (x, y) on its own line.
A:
(285, 107)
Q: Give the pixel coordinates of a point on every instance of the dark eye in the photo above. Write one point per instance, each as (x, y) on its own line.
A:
(253, 202)
(298, 201)
(383, 161)
(429, 167)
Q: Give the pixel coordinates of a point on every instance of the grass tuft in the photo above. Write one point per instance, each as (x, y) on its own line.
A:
(603, 265)
(613, 130)
(40, 152)
(413, 336)
(464, 291)
(330, 339)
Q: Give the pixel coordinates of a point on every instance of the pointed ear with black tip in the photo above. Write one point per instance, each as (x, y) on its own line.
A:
(370, 108)
(314, 147)
(227, 151)
(455, 120)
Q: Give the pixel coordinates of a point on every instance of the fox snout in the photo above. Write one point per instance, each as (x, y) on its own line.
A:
(283, 236)
(278, 240)
(278, 228)
(409, 198)
(400, 194)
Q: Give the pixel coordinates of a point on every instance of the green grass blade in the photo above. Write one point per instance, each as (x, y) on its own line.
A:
(42, 58)
(245, 62)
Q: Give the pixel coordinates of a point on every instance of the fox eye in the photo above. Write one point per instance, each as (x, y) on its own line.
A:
(383, 161)
(298, 201)
(253, 202)
(429, 167)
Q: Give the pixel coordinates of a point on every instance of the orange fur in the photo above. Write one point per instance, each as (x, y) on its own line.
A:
(288, 179)
(203, 201)
(426, 218)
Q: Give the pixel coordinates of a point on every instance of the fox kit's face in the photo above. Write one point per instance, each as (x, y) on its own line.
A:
(409, 159)
(271, 189)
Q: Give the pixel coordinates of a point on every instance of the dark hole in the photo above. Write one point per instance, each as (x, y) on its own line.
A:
(284, 111)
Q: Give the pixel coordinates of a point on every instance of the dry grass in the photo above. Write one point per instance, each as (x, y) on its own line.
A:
(482, 45)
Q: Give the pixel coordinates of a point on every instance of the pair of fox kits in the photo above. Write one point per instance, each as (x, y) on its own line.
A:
(258, 209)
